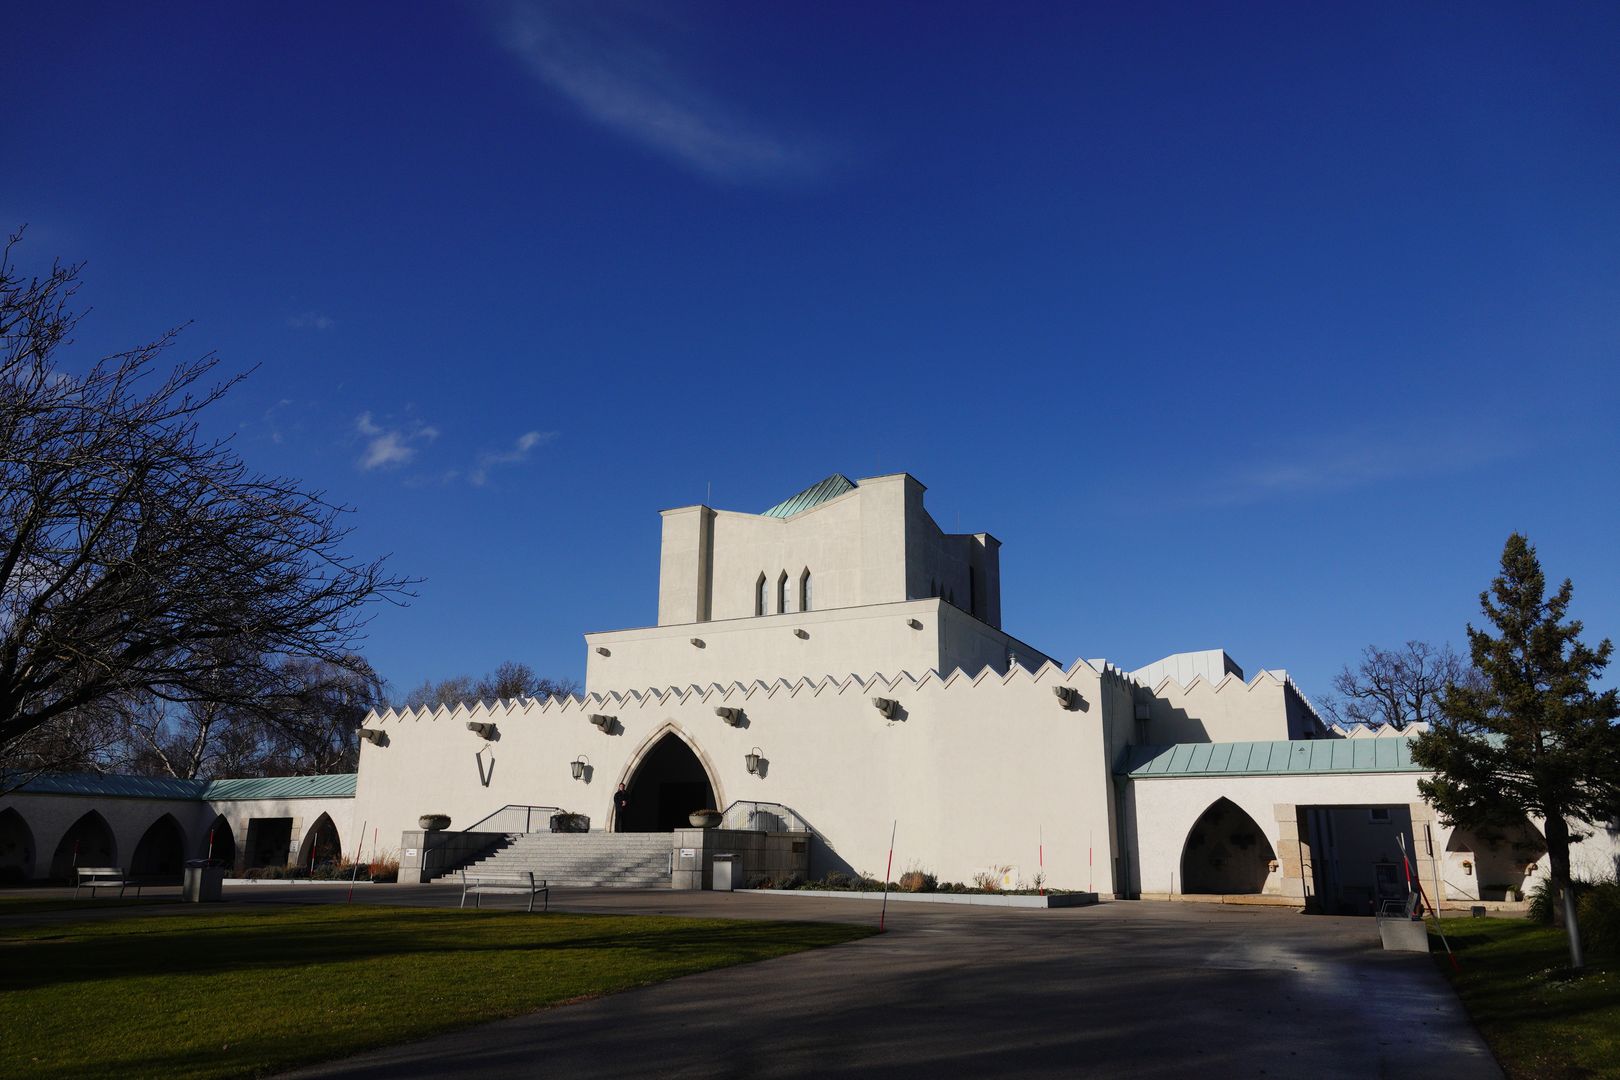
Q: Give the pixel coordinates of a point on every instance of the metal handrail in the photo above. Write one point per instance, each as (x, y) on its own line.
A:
(752, 814)
(528, 817)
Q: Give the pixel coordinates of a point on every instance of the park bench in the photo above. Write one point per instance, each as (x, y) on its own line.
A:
(102, 877)
(476, 885)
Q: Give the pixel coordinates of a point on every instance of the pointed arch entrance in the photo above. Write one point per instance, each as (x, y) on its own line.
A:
(160, 855)
(320, 845)
(88, 842)
(16, 848)
(1226, 853)
(220, 842)
(664, 784)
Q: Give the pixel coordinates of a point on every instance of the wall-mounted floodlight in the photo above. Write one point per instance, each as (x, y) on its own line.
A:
(1068, 696)
(375, 736)
(603, 722)
(915, 624)
(482, 729)
(602, 650)
(751, 759)
(578, 765)
(889, 707)
(729, 715)
(802, 634)
(697, 642)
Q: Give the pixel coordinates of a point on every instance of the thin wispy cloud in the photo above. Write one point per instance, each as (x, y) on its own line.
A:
(515, 454)
(388, 446)
(1345, 462)
(311, 320)
(628, 82)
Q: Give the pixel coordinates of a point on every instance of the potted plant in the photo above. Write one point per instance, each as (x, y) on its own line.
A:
(704, 819)
(434, 822)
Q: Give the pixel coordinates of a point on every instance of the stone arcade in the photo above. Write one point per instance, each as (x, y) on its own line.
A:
(818, 672)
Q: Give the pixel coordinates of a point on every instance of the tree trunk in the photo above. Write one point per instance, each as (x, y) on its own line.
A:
(1563, 898)
(1557, 832)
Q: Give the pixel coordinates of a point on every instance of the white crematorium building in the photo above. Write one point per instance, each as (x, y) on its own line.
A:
(836, 668)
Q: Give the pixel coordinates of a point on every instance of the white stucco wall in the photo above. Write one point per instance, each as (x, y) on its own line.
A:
(863, 640)
(976, 773)
(1229, 710)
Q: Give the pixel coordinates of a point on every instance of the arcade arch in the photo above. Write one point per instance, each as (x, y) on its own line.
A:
(160, 854)
(1226, 852)
(88, 842)
(16, 848)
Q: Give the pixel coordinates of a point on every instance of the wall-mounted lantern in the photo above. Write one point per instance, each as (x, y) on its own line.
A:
(915, 624)
(578, 766)
(801, 633)
(1067, 696)
(602, 650)
(481, 728)
(605, 723)
(374, 736)
(752, 761)
(697, 642)
(889, 707)
(729, 715)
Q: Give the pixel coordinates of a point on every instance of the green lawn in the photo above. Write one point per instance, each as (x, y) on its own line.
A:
(1540, 1023)
(246, 992)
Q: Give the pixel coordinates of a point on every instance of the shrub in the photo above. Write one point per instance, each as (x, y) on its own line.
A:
(837, 879)
(384, 866)
(918, 881)
(1599, 914)
(1541, 899)
(793, 881)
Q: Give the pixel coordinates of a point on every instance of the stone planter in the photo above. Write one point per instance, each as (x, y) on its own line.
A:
(434, 822)
(704, 819)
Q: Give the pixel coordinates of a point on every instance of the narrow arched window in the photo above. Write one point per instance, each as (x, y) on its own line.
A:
(759, 595)
(804, 590)
(781, 594)
(973, 592)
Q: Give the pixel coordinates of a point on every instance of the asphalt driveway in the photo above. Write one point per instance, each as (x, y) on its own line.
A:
(1131, 988)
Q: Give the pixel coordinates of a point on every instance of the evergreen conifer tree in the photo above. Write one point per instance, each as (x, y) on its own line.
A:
(1534, 737)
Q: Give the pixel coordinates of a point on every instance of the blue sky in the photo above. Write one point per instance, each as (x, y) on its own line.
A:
(1241, 325)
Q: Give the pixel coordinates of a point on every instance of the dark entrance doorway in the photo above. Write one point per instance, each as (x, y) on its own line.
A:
(668, 784)
(269, 840)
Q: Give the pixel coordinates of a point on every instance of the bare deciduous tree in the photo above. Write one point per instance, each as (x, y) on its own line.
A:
(1397, 686)
(138, 557)
(510, 680)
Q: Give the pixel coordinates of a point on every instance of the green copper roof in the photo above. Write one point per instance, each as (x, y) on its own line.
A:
(1284, 757)
(812, 497)
(337, 786)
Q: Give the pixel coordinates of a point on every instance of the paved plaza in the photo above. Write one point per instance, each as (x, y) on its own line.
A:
(1145, 989)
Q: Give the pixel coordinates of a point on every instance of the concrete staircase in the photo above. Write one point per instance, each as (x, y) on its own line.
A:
(581, 860)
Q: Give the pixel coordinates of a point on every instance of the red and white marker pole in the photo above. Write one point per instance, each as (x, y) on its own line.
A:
(887, 872)
(1040, 854)
(358, 848)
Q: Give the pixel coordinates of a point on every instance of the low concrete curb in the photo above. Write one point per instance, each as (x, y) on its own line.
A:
(296, 881)
(1061, 900)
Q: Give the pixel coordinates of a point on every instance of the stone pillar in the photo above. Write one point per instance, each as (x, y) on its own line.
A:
(1428, 851)
(1293, 854)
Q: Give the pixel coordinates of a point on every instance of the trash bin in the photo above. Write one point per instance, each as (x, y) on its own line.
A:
(204, 882)
(727, 871)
